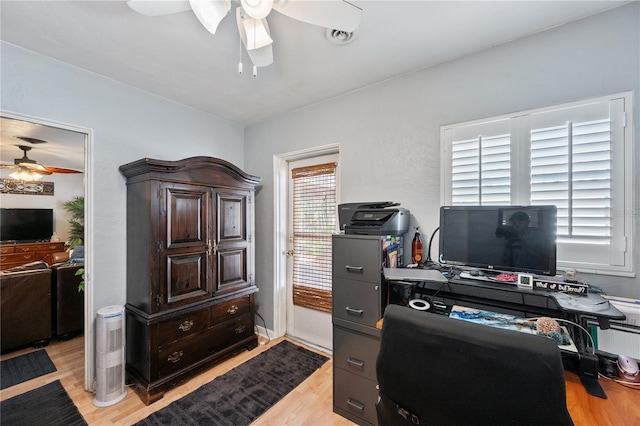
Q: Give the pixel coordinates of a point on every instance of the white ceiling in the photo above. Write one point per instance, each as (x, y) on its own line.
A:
(175, 57)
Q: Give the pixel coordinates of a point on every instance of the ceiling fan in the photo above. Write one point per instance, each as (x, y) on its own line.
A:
(251, 18)
(28, 169)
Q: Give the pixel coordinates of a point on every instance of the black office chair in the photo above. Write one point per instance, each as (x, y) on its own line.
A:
(436, 370)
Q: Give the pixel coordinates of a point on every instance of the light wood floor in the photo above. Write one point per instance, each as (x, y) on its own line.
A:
(308, 404)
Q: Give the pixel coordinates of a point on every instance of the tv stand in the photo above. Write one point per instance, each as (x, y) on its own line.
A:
(18, 254)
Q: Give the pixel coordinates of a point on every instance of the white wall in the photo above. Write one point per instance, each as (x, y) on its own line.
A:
(127, 124)
(389, 133)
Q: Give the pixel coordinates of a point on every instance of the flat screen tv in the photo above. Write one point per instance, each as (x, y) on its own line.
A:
(501, 238)
(26, 225)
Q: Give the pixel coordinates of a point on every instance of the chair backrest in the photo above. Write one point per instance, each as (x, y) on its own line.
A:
(444, 371)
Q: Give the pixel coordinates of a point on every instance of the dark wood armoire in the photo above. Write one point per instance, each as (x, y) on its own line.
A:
(190, 268)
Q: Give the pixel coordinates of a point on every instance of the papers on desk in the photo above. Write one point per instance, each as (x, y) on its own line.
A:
(506, 321)
(413, 274)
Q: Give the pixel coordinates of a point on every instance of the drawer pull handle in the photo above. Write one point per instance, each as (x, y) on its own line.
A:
(175, 357)
(232, 309)
(355, 404)
(240, 329)
(355, 362)
(27, 256)
(186, 325)
(355, 268)
(354, 311)
(24, 249)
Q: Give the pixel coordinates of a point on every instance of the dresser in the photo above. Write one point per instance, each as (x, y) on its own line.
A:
(18, 254)
(190, 269)
(359, 299)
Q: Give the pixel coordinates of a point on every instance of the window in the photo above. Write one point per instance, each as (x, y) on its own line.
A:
(314, 223)
(575, 156)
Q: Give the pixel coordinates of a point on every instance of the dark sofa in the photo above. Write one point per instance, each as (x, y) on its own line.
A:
(38, 302)
(25, 294)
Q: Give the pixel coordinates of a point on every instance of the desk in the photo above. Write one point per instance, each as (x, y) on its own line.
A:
(621, 408)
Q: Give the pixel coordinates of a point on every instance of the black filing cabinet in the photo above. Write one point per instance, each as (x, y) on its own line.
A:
(358, 302)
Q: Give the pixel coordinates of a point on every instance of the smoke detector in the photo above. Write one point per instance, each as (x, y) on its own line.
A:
(340, 37)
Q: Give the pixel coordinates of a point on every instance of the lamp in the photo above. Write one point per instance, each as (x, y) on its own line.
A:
(26, 174)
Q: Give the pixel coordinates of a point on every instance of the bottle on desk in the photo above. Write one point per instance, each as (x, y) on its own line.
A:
(416, 248)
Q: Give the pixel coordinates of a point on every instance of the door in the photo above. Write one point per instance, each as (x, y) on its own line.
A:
(233, 236)
(185, 248)
(312, 220)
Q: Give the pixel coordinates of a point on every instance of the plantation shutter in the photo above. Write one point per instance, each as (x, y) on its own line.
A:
(481, 165)
(571, 168)
(314, 223)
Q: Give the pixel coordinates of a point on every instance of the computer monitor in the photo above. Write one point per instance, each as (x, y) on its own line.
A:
(501, 238)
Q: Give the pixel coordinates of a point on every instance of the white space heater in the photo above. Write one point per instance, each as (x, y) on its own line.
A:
(110, 387)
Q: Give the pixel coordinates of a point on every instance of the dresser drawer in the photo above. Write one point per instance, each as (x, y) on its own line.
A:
(355, 395)
(357, 258)
(184, 352)
(230, 309)
(356, 301)
(183, 326)
(355, 352)
(6, 249)
(232, 331)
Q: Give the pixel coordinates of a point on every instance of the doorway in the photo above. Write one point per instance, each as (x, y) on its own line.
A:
(309, 326)
(312, 220)
(60, 148)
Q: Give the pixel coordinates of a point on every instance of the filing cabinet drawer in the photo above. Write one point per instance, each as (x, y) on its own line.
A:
(356, 301)
(355, 352)
(355, 395)
(357, 258)
(182, 326)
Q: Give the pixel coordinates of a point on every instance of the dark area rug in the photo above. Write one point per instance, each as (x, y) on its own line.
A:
(25, 367)
(47, 405)
(244, 393)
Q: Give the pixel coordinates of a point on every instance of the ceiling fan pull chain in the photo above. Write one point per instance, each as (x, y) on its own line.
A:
(240, 55)
(255, 71)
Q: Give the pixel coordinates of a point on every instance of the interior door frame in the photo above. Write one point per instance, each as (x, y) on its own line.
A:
(88, 234)
(280, 203)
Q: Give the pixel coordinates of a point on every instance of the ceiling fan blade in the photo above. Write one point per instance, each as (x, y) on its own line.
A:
(158, 7)
(61, 170)
(261, 56)
(334, 14)
(257, 33)
(210, 12)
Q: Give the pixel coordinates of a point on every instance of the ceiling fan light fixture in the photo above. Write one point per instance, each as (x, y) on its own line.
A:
(257, 33)
(24, 174)
(257, 9)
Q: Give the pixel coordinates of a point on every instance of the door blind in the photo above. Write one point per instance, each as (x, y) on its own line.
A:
(314, 223)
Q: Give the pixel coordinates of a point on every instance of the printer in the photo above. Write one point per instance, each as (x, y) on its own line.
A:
(375, 218)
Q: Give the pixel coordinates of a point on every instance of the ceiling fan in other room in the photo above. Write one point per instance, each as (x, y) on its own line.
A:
(251, 16)
(27, 169)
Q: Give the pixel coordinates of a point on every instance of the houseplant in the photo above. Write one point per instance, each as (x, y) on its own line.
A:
(75, 207)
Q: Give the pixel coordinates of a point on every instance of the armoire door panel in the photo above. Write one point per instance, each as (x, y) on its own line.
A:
(231, 216)
(187, 277)
(232, 269)
(186, 215)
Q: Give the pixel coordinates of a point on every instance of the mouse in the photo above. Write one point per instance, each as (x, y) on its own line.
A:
(627, 366)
